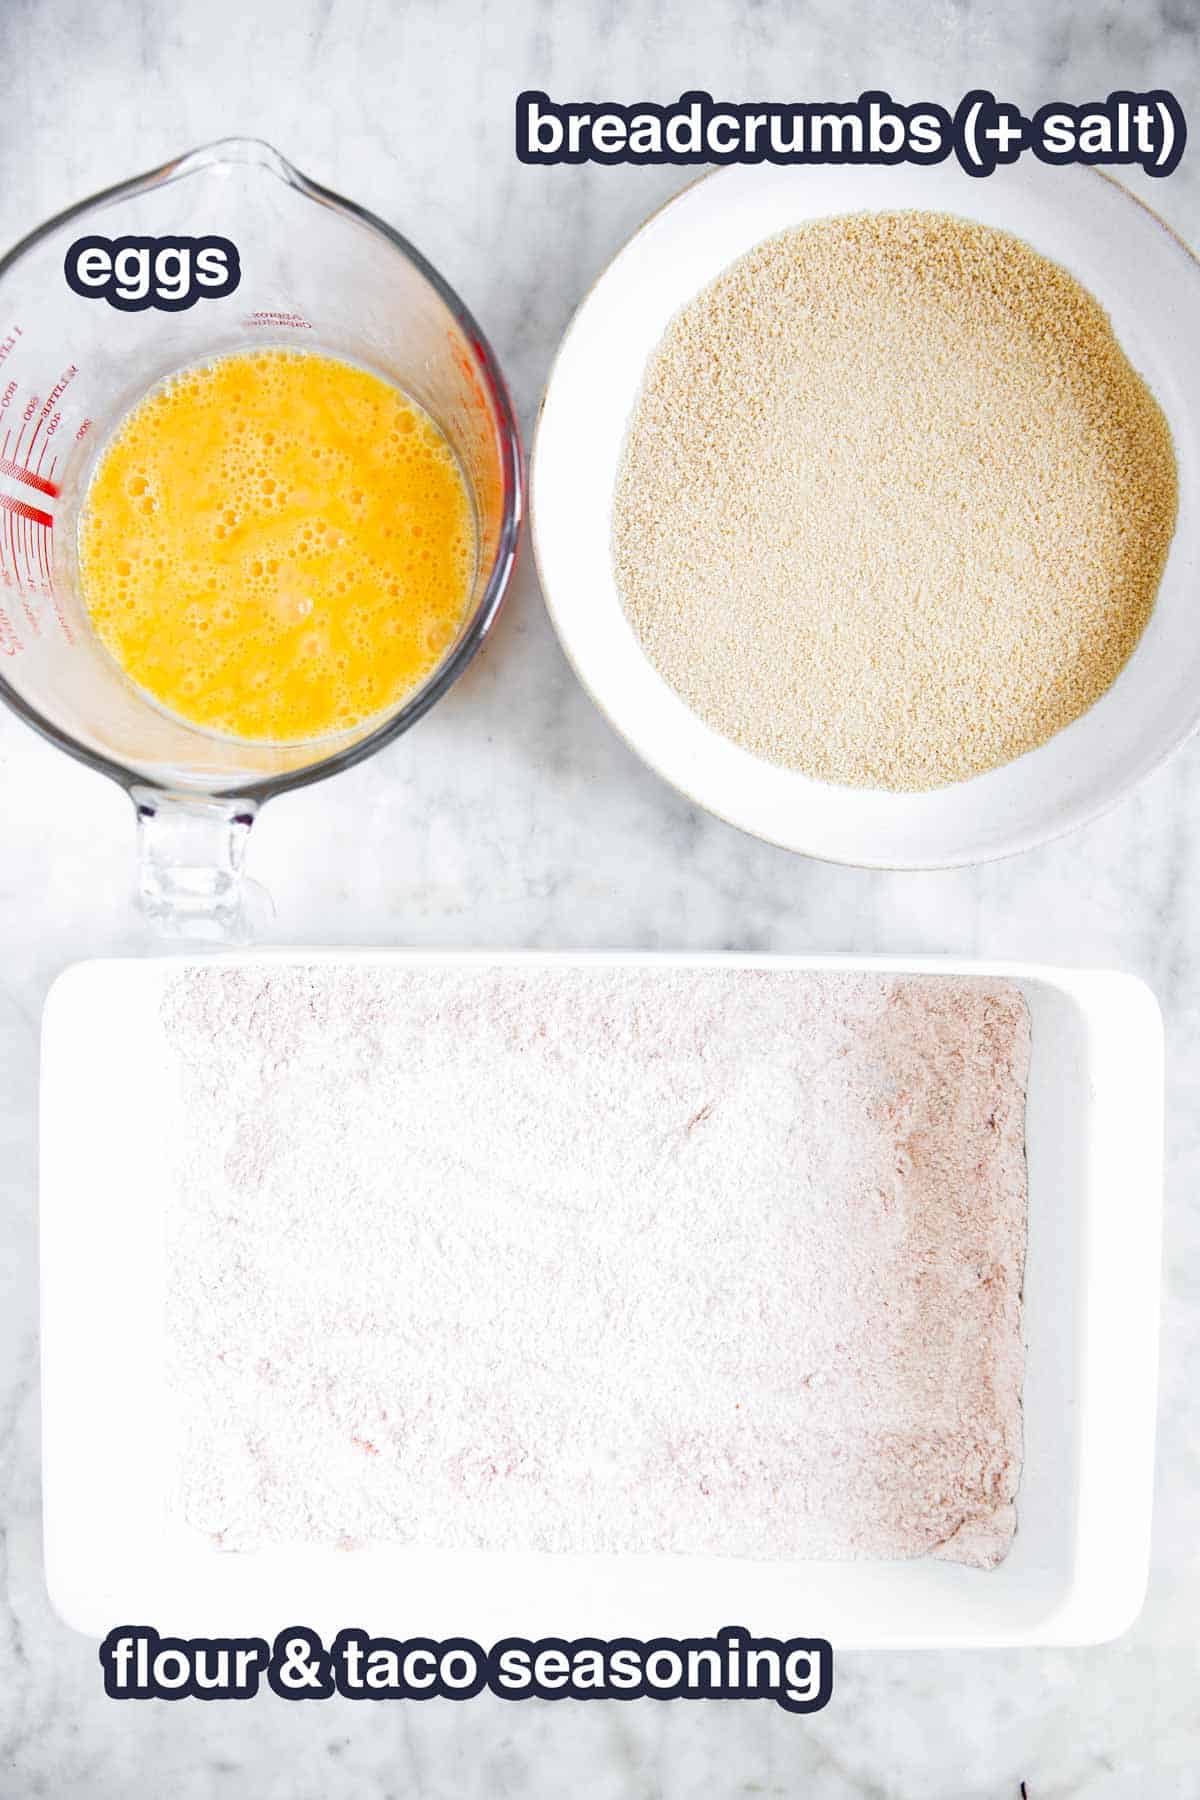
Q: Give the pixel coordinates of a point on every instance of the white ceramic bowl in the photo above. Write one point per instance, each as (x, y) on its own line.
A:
(1148, 281)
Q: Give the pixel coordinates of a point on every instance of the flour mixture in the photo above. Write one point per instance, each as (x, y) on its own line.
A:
(598, 1258)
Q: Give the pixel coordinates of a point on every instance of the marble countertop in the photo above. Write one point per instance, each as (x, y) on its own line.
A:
(513, 816)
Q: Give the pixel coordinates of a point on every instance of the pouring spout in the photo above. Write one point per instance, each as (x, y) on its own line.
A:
(230, 150)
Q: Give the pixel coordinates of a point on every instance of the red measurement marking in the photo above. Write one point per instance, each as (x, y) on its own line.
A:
(22, 510)
(11, 523)
(30, 477)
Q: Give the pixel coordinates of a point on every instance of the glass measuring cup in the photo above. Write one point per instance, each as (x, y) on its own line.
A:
(316, 271)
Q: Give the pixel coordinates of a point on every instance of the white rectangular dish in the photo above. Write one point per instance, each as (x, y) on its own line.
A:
(1077, 1569)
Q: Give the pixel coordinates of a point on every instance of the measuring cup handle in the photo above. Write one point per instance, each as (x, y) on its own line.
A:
(191, 855)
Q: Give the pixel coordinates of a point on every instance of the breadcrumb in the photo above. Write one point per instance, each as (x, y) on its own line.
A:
(894, 504)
